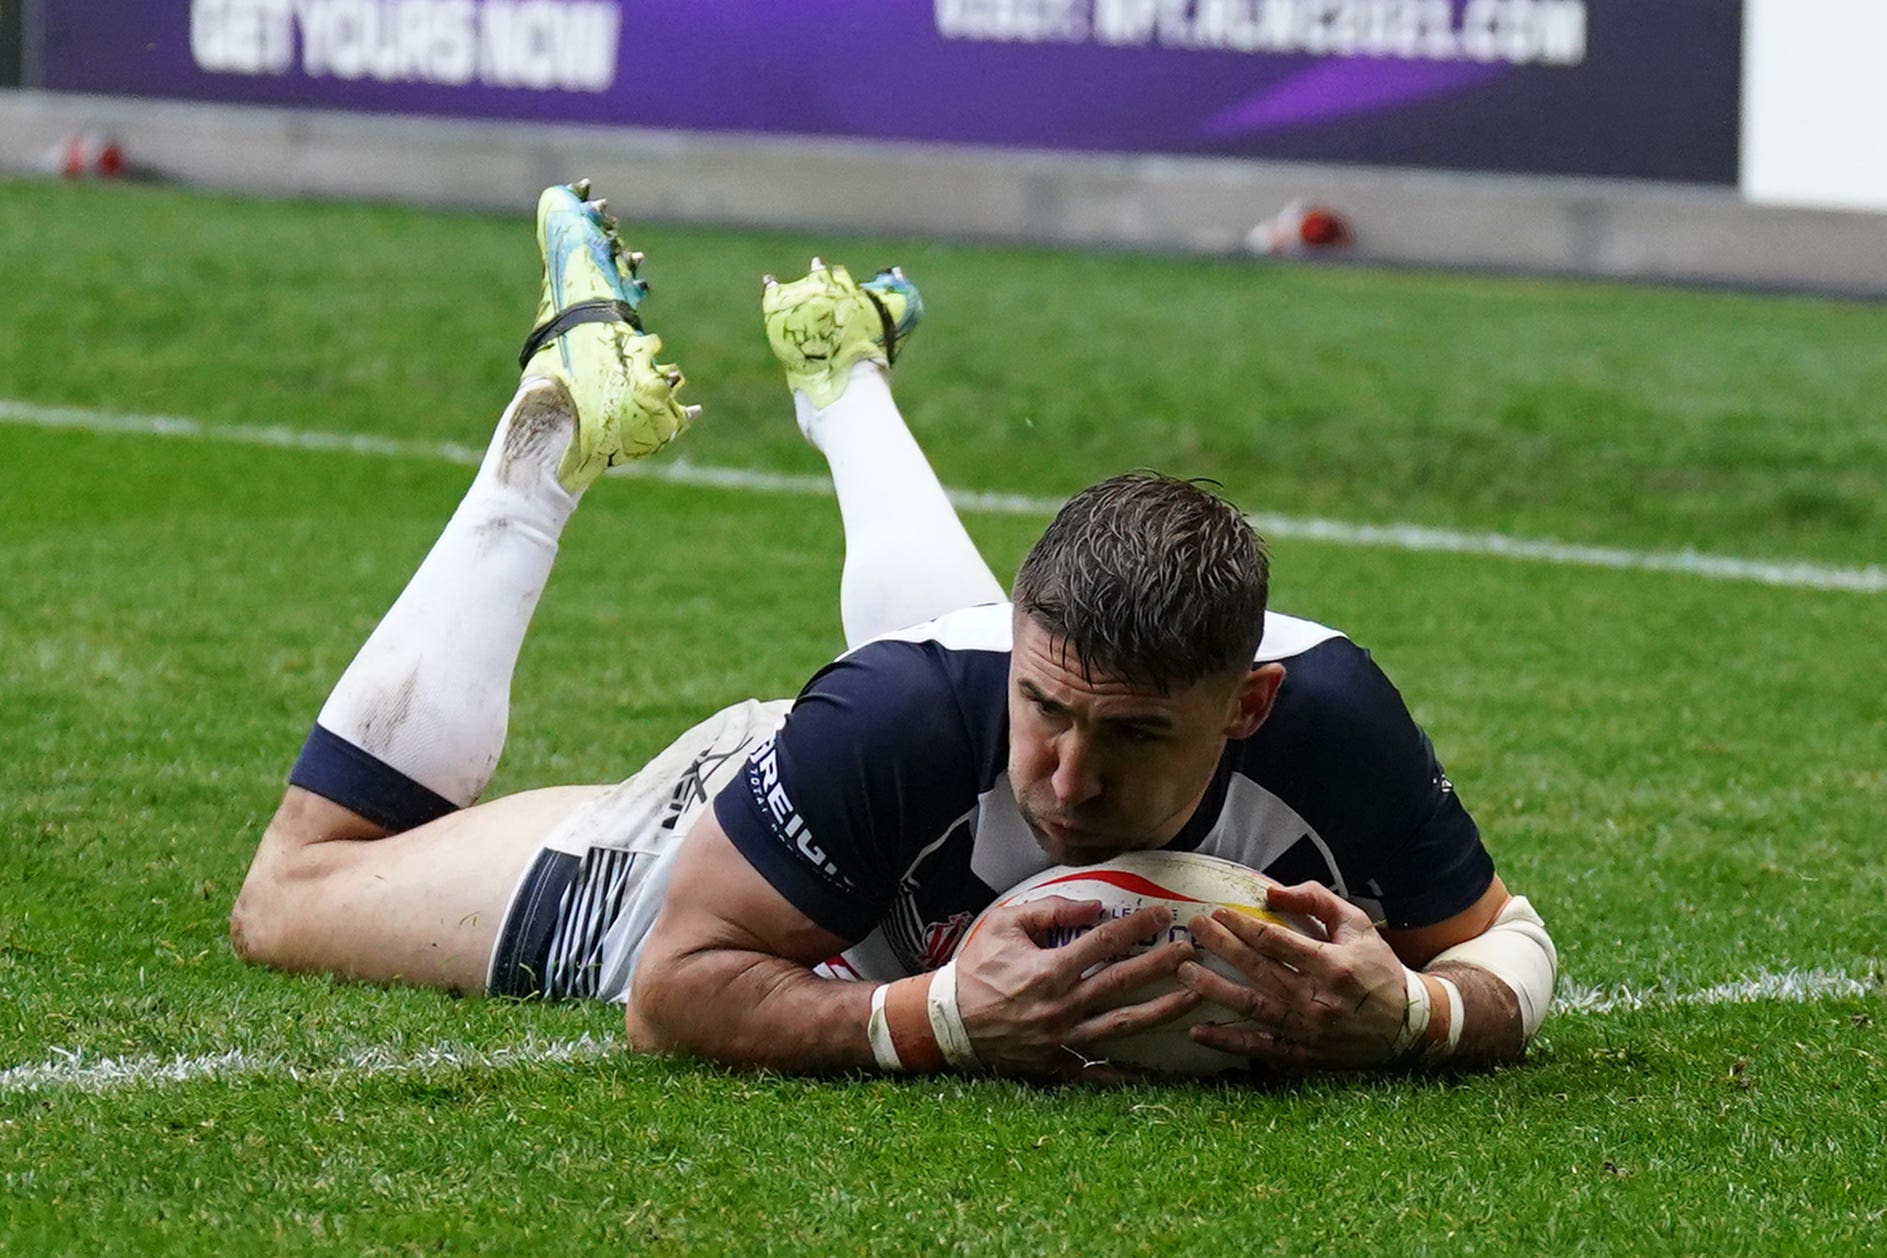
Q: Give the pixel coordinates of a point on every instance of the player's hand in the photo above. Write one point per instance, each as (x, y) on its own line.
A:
(1030, 1010)
(1334, 1004)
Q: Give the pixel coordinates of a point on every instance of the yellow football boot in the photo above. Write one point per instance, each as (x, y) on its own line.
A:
(820, 326)
(589, 338)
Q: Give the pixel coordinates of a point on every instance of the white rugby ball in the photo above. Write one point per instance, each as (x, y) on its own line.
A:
(1190, 884)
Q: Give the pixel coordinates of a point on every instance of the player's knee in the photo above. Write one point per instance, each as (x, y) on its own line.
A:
(270, 921)
(248, 930)
(251, 927)
(263, 923)
(257, 920)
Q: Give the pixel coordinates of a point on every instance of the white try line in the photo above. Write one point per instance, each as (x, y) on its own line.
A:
(1798, 574)
(72, 1071)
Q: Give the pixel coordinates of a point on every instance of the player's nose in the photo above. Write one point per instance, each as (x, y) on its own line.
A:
(1076, 779)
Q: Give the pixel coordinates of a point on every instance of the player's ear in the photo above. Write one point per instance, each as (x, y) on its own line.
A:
(1257, 691)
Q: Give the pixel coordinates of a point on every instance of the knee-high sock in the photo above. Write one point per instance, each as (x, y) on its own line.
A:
(907, 557)
(415, 726)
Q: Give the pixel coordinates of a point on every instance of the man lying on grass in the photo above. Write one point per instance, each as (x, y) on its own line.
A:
(786, 884)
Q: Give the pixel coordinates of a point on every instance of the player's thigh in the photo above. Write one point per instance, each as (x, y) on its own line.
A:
(423, 906)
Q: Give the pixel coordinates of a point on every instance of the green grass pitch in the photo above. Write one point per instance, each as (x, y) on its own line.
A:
(1686, 775)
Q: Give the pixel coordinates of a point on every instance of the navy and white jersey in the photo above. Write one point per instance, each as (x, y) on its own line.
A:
(882, 807)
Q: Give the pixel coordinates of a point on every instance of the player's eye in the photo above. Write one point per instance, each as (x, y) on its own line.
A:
(1048, 710)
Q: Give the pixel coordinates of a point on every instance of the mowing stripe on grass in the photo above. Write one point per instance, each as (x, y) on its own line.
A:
(77, 1072)
(1800, 574)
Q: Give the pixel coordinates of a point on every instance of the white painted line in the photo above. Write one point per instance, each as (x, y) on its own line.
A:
(78, 1072)
(71, 1071)
(1796, 574)
(1781, 986)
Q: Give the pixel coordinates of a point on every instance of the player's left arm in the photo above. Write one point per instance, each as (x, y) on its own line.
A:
(1471, 989)
(1462, 970)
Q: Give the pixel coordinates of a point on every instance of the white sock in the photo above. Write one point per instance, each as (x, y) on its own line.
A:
(907, 557)
(430, 692)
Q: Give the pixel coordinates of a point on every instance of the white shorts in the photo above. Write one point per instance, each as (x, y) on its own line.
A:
(577, 920)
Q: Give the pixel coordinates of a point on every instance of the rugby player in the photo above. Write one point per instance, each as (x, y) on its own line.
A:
(787, 884)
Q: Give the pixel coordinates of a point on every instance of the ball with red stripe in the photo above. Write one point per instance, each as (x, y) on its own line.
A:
(1188, 883)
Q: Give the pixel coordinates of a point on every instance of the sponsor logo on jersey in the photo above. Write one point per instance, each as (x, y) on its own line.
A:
(691, 789)
(941, 939)
(764, 775)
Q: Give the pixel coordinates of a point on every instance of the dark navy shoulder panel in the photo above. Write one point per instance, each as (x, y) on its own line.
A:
(884, 749)
(1342, 750)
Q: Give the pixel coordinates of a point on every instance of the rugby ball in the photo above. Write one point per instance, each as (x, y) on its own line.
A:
(1191, 885)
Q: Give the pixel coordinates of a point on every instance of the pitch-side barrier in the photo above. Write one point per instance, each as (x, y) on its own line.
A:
(1537, 224)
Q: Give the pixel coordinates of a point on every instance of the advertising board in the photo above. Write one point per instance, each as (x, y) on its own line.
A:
(1585, 87)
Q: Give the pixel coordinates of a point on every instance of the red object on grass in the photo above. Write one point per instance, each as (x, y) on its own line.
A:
(88, 155)
(1323, 227)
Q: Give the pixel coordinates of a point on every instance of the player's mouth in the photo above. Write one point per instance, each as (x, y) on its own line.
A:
(1073, 845)
(1062, 832)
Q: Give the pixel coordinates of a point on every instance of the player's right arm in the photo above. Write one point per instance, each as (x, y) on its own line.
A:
(726, 973)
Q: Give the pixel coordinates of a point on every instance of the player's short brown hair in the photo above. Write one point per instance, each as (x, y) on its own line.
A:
(1151, 578)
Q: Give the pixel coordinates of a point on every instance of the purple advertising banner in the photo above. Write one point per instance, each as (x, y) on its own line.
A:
(1588, 87)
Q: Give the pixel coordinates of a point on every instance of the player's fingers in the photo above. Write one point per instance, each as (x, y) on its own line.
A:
(1278, 975)
(1314, 900)
(1218, 939)
(1118, 937)
(1261, 1045)
(1270, 939)
(1278, 981)
(1038, 917)
(1111, 984)
(1111, 1024)
(1239, 998)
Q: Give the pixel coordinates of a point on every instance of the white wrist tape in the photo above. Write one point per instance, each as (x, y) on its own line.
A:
(1457, 1014)
(1415, 1018)
(1421, 1038)
(878, 1031)
(947, 1022)
(1516, 950)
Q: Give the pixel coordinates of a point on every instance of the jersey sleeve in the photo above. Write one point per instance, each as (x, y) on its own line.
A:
(1367, 777)
(829, 810)
(1438, 866)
